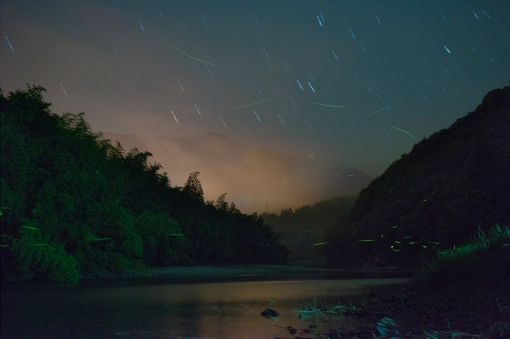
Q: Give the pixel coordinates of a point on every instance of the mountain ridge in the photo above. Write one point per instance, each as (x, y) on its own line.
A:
(254, 179)
(450, 186)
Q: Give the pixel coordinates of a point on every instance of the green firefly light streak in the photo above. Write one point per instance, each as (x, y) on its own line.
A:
(401, 130)
(255, 103)
(192, 57)
(377, 111)
(325, 105)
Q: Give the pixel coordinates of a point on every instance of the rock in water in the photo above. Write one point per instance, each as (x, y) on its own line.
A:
(269, 313)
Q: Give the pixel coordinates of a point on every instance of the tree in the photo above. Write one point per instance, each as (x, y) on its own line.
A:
(74, 205)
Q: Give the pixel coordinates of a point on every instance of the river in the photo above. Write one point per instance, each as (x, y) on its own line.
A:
(162, 309)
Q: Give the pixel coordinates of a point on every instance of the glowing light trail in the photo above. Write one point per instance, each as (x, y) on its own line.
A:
(12, 49)
(377, 111)
(174, 116)
(143, 30)
(223, 123)
(309, 84)
(64, 90)
(192, 57)
(319, 20)
(255, 103)
(300, 85)
(325, 105)
(401, 130)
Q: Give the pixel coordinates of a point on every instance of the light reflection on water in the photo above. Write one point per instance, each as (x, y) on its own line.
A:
(207, 310)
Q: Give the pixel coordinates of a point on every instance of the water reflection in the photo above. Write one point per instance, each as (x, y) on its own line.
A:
(206, 310)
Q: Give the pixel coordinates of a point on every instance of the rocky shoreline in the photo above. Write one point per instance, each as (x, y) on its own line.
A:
(405, 313)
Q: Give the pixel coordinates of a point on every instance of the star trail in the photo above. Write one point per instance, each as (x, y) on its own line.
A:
(360, 82)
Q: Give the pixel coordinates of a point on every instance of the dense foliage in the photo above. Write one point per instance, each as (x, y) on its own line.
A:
(74, 205)
(303, 230)
(436, 197)
(481, 264)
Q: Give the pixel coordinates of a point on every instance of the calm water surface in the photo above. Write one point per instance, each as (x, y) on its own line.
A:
(221, 310)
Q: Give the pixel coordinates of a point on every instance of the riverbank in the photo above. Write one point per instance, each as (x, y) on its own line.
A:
(407, 312)
(380, 310)
(233, 272)
(401, 310)
(464, 293)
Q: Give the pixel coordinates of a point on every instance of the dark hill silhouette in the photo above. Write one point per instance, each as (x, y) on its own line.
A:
(256, 180)
(73, 205)
(303, 229)
(437, 197)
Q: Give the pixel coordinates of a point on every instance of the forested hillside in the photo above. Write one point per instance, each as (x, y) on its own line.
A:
(73, 205)
(435, 198)
(303, 230)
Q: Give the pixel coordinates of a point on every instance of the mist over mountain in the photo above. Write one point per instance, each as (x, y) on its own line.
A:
(254, 179)
(448, 188)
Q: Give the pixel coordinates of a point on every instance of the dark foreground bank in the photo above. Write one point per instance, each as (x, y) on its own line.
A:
(406, 312)
(463, 293)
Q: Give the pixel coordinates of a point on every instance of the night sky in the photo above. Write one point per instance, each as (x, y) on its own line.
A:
(357, 82)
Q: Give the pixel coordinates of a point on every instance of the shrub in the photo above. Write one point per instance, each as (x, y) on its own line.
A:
(483, 263)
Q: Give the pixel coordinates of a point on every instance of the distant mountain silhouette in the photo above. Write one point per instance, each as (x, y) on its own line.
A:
(303, 228)
(256, 180)
(450, 186)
